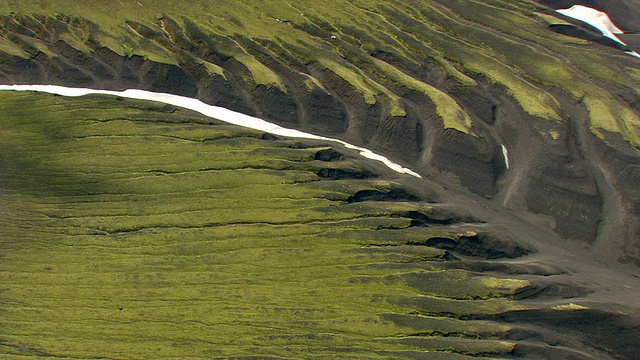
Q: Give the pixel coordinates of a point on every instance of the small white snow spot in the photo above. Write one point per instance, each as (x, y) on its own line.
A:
(633, 53)
(505, 154)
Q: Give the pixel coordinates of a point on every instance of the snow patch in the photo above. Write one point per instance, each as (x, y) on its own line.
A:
(215, 112)
(505, 154)
(633, 53)
(596, 18)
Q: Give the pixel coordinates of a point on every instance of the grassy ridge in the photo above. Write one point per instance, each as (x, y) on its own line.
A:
(506, 43)
(550, 66)
(131, 232)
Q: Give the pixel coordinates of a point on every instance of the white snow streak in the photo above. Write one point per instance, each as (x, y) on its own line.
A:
(215, 112)
(633, 53)
(505, 154)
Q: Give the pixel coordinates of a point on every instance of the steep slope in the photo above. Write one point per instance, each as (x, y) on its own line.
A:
(440, 85)
(136, 230)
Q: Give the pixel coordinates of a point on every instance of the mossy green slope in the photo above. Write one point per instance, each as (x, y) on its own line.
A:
(505, 43)
(132, 231)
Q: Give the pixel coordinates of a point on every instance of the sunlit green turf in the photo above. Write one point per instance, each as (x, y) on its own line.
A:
(128, 231)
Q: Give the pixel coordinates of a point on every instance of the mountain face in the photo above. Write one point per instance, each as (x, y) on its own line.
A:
(439, 86)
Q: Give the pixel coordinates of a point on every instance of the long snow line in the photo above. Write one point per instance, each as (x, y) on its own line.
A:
(215, 112)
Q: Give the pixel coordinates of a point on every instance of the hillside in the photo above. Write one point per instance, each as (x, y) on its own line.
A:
(482, 257)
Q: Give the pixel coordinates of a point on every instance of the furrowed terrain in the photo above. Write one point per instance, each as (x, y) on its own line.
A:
(131, 229)
(440, 85)
(137, 230)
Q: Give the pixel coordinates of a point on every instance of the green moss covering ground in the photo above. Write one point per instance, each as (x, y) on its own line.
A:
(132, 232)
